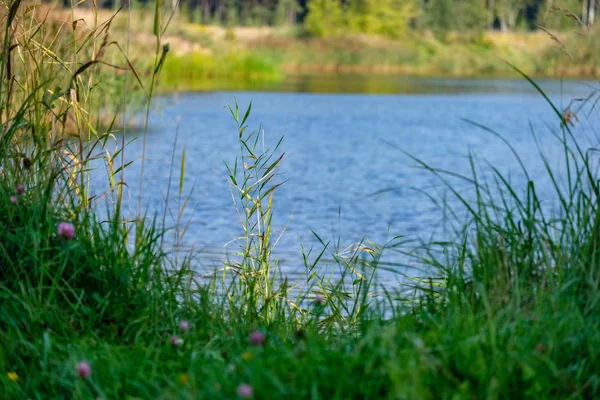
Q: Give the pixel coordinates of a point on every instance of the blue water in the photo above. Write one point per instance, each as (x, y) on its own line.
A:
(346, 178)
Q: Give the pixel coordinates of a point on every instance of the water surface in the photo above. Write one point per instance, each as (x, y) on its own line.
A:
(345, 176)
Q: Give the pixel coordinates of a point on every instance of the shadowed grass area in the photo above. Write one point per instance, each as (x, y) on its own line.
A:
(97, 308)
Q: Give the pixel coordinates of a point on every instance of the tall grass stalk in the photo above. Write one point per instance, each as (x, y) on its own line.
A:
(252, 179)
(160, 55)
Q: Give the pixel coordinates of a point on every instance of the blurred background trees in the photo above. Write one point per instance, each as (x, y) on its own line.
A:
(387, 17)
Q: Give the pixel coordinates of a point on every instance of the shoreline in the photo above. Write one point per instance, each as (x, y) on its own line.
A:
(286, 83)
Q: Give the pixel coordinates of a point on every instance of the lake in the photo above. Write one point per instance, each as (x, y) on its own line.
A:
(346, 178)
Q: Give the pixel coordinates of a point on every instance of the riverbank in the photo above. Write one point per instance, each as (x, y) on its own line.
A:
(274, 54)
(199, 53)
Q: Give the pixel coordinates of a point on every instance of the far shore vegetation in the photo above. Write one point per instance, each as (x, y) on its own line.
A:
(217, 42)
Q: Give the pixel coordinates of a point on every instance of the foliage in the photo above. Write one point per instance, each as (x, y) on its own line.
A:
(325, 18)
(201, 68)
(333, 17)
(461, 15)
(390, 17)
(562, 15)
(383, 17)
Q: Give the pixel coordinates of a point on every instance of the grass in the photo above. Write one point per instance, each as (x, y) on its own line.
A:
(510, 310)
(196, 70)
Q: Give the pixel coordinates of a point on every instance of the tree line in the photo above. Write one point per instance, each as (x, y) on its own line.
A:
(388, 17)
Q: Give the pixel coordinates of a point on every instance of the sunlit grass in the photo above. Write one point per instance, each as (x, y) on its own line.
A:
(195, 70)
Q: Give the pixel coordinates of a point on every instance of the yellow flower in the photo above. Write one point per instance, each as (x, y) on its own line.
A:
(247, 356)
(183, 378)
(13, 376)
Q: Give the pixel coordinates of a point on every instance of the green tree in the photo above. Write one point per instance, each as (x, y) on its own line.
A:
(563, 14)
(286, 12)
(456, 15)
(232, 12)
(324, 18)
(508, 12)
(384, 17)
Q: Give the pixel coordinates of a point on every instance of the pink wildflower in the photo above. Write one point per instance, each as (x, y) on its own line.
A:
(84, 370)
(66, 230)
(20, 189)
(14, 200)
(245, 391)
(256, 338)
(184, 326)
(175, 341)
